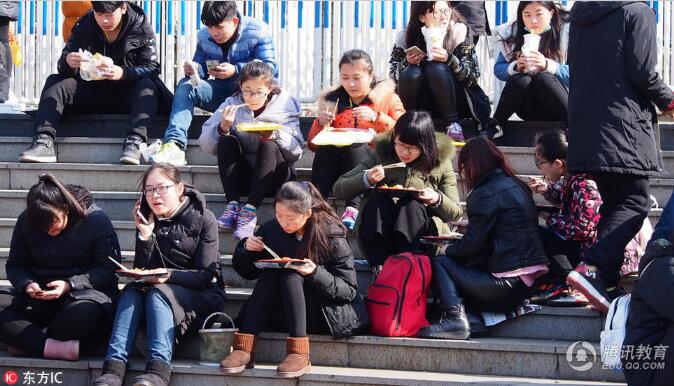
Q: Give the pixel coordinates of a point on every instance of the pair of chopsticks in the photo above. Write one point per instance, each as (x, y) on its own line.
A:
(334, 113)
(272, 253)
(117, 263)
(393, 166)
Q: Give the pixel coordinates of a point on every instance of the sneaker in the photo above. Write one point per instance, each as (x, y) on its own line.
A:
(586, 281)
(42, 150)
(455, 131)
(229, 217)
(569, 298)
(132, 151)
(171, 153)
(349, 217)
(547, 291)
(245, 223)
(491, 129)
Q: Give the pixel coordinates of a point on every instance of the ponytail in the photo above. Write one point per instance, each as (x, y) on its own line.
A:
(48, 197)
(301, 197)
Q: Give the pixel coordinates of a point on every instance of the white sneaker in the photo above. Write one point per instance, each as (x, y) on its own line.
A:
(171, 153)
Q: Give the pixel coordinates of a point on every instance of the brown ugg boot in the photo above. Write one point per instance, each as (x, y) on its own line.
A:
(242, 357)
(296, 362)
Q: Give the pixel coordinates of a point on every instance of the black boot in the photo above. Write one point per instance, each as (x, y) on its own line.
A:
(113, 373)
(477, 326)
(132, 150)
(157, 373)
(453, 324)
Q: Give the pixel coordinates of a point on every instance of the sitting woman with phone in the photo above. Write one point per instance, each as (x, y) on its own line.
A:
(441, 78)
(319, 295)
(179, 283)
(58, 267)
(537, 77)
(413, 156)
(255, 162)
(358, 102)
(493, 266)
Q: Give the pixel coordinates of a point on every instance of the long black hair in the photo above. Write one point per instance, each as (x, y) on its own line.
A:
(550, 45)
(413, 35)
(416, 128)
(46, 199)
(300, 197)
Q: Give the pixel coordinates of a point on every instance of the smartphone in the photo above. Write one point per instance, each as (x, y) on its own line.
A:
(211, 64)
(415, 50)
(143, 211)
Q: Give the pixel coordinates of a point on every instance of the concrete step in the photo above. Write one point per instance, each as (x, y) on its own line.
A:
(125, 178)
(190, 372)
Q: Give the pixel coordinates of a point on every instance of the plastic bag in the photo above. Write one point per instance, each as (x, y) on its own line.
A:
(88, 67)
(15, 48)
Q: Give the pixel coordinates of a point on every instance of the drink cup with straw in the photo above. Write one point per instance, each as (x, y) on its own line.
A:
(531, 43)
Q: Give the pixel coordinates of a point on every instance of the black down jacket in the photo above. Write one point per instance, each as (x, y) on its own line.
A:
(187, 244)
(612, 121)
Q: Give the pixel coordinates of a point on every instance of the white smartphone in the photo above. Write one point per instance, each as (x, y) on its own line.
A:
(415, 50)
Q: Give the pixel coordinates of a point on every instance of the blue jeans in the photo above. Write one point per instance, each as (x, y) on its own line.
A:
(665, 226)
(134, 306)
(208, 95)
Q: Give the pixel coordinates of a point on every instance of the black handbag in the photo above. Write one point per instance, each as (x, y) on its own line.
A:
(345, 320)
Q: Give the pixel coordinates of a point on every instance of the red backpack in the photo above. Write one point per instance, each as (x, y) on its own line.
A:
(396, 301)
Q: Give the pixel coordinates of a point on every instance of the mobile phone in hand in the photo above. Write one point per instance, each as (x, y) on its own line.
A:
(139, 212)
(415, 50)
(212, 64)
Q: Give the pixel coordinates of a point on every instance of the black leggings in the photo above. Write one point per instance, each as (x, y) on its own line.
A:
(563, 255)
(332, 162)
(432, 86)
(238, 177)
(5, 59)
(539, 97)
(65, 94)
(453, 283)
(22, 320)
(282, 302)
(389, 227)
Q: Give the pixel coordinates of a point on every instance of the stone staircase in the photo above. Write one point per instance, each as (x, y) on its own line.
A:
(528, 350)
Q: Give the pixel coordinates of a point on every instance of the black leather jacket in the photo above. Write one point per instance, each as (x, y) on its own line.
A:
(502, 232)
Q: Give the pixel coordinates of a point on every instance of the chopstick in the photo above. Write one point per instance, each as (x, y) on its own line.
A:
(395, 165)
(272, 253)
(117, 263)
(334, 113)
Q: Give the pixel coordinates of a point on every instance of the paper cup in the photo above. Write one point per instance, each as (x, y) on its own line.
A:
(433, 37)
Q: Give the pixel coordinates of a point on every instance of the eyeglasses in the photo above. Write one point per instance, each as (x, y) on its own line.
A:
(254, 94)
(539, 162)
(441, 12)
(406, 148)
(161, 190)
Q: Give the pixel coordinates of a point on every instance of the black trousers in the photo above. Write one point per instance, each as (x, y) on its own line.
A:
(23, 318)
(259, 181)
(539, 97)
(389, 227)
(563, 255)
(64, 94)
(282, 302)
(5, 59)
(433, 87)
(331, 162)
(454, 283)
(625, 206)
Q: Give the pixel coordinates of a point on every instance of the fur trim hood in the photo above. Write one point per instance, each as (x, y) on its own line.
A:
(380, 93)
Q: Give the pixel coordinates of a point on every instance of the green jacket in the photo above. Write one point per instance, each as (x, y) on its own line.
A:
(441, 178)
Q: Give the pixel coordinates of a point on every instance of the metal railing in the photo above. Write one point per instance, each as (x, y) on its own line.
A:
(310, 36)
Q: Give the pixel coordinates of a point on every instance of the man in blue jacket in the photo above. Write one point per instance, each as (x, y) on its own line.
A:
(224, 46)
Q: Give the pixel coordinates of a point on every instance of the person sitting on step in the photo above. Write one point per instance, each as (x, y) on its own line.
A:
(63, 284)
(177, 241)
(446, 82)
(224, 46)
(317, 296)
(493, 265)
(256, 162)
(391, 225)
(573, 226)
(129, 79)
(536, 78)
(358, 102)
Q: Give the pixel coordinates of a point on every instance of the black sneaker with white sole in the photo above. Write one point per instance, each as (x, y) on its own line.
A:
(132, 152)
(491, 129)
(42, 150)
(587, 282)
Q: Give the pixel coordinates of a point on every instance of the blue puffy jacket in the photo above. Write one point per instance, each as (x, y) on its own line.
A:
(253, 42)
